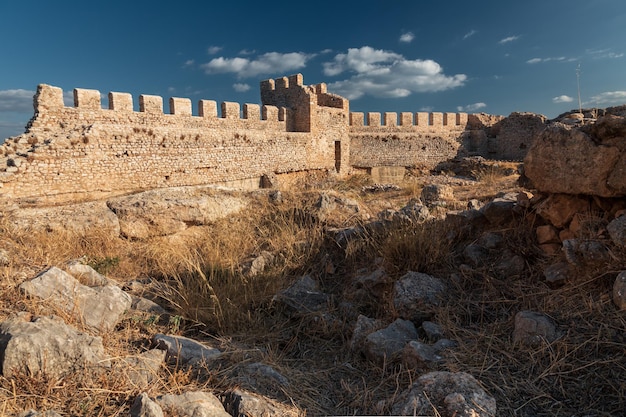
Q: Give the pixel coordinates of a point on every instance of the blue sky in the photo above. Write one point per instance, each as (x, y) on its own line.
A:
(406, 55)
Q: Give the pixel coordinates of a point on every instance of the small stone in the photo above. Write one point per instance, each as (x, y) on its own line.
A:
(362, 328)
(386, 344)
(490, 240)
(550, 249)
(532, 328)
(547, 234)
(617, 231)
(619, 291)
(415, 293)
(416, 353)
(144, 406)
(557, 273)
(266, 373)
(475, 255)
(185, 350)
(433, 331)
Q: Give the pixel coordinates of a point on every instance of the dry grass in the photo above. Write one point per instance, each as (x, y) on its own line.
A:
(199, 275)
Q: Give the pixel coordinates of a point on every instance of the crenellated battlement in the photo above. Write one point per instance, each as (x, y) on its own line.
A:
(416, 121)
(49, 98)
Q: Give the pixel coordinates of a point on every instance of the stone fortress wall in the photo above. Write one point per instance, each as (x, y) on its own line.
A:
(88, 152)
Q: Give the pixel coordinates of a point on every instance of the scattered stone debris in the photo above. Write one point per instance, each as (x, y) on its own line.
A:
(380, 188)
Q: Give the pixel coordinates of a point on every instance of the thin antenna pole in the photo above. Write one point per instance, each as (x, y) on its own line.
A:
(580, 106)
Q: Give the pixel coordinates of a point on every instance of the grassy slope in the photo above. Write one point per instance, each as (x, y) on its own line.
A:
(198, 275)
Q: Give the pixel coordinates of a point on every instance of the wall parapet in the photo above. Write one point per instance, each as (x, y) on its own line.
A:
(455, 121)
(49, 97)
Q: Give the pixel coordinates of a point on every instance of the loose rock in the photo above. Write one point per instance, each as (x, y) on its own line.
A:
(99, 308)
(415, 294)
(192, 404)
(533, 328)
(185, 350)
(48, 346)
(445, 394)
(385, 345)
(239, 403)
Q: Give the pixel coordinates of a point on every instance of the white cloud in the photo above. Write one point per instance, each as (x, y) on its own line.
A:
(608, 98)
(268, 63)
(508, 39)
(471, 107)
(555, 58)
(604, 54)
(562, 99)
(241, 87)
(387, 74)
(361, 60)
(326, 51)
(407, 37)
(212, 50)
(247, 52)
(469, 34)
(188, 63)
(18, 101)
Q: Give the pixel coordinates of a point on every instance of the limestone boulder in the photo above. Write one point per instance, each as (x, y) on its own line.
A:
(184, 350)
(168, 211)
(99, 308)
(46, 345)
(570, 160)
(445, 394)
(192, 404)
(75, 218)
(415, 294)
(88, 276)
(240, 403)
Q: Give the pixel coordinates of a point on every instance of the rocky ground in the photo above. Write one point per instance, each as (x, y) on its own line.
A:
(457, 293)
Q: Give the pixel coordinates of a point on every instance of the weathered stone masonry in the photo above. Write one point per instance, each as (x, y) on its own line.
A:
(87, 152)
